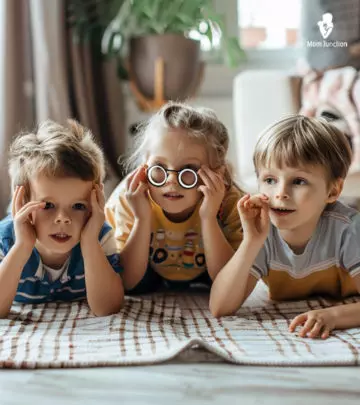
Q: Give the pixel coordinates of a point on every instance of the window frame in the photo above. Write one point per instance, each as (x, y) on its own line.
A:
(218, 78)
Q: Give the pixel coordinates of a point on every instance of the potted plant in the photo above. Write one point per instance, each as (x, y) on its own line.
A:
(153, 42)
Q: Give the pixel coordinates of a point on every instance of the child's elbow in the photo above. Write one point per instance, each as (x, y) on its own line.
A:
(108, 309)
(216, 309)
(106, 312)
(4, 314)
(219, 309)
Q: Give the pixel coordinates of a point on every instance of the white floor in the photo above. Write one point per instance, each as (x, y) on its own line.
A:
(183, 381)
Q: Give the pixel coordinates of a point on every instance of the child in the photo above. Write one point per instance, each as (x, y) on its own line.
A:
(175, 215)
(313, 243)
(55, 246)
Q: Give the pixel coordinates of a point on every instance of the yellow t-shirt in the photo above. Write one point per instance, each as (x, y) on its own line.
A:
(176, 249)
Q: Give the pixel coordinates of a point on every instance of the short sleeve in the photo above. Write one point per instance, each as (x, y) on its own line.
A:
(108, 244)
(260, 267)
(119, 215)
(229, 217)
(6, 236)
(2, 251)
(350, 248)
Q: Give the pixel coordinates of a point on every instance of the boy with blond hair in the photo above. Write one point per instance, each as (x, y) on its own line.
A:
(55, 245)
(297, 237)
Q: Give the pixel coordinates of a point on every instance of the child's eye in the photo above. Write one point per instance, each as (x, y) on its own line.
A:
(300, 182)
(192, 167)
(48, 205)
(79, 207)
(269, 180)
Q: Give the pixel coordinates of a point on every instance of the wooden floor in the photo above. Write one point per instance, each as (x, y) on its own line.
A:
(183, 382)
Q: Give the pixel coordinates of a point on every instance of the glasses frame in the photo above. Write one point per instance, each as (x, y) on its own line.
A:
(179, 173)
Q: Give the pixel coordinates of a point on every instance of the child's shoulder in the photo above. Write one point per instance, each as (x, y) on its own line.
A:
(106, 230)
(340, 213)
(7, 228)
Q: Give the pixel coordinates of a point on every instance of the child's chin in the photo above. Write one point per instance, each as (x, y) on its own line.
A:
(62, 247)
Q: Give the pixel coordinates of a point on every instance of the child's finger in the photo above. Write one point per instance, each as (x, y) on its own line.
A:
(13, 202)
(93, 198)
(264, 216)
(216, 179)
(206, 178)
(29, 208)
(100, 196)
(315, 331)
(241, 202)
(139, 177)
(325, 333)
(142, 188)
(143, 176)
(254, 202)
(19, 201)
(298, 320)
(130, 177)
(204, 190)
(309, 324)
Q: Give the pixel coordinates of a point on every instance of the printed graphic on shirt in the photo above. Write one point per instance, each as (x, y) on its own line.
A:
(177, 254)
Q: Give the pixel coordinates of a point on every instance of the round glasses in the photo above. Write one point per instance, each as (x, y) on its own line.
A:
(158, 175)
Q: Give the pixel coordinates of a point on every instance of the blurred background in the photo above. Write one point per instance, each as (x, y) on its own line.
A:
(112, 63)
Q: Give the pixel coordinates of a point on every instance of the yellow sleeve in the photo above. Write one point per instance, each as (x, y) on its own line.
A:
(229, 217)
(119, 215)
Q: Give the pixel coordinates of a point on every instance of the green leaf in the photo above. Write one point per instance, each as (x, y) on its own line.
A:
(127, 18)
(233, 52)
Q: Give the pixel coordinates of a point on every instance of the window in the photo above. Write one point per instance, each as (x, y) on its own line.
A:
(261, 25)
(269, 24)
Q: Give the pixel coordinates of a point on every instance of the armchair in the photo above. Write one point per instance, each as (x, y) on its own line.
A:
(260, 97)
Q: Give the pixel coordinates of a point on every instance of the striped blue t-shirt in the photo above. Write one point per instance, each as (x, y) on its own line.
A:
(36, 285)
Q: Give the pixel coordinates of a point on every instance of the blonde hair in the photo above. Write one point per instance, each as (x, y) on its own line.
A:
(55, 151)
(199, 123)
(296, 140)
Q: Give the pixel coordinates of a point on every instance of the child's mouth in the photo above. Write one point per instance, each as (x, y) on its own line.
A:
(60, 237)
(173, 196)
(282, 211)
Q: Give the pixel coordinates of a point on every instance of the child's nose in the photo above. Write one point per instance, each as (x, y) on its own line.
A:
(172, 178)
(62, 217)
(282, 193)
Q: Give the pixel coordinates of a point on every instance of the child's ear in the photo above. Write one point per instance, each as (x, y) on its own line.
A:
(335, 190)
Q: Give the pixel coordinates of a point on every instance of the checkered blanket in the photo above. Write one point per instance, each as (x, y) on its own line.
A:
(156, 328)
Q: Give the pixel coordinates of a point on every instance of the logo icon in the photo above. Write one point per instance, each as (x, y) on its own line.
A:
(326, 25)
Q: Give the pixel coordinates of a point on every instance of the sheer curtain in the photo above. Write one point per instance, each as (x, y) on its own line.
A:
(45, 74)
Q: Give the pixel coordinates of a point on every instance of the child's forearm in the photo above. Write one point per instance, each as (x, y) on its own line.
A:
(104, 289)
(10, 273)
(135, 254)
(347, 316)
(218, 250)
(229, 287)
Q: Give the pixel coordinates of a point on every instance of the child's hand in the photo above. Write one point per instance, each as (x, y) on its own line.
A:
(96, 219)
(25, 234)
(317, 323)
(213, 190)
(136, 194)
(254, 215)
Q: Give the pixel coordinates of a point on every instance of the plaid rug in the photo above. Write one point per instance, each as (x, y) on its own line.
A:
(156, 328)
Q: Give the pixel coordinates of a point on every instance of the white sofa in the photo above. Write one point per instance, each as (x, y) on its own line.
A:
(260, 98)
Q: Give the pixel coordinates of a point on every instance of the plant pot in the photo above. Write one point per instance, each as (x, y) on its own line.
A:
(182, 65)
